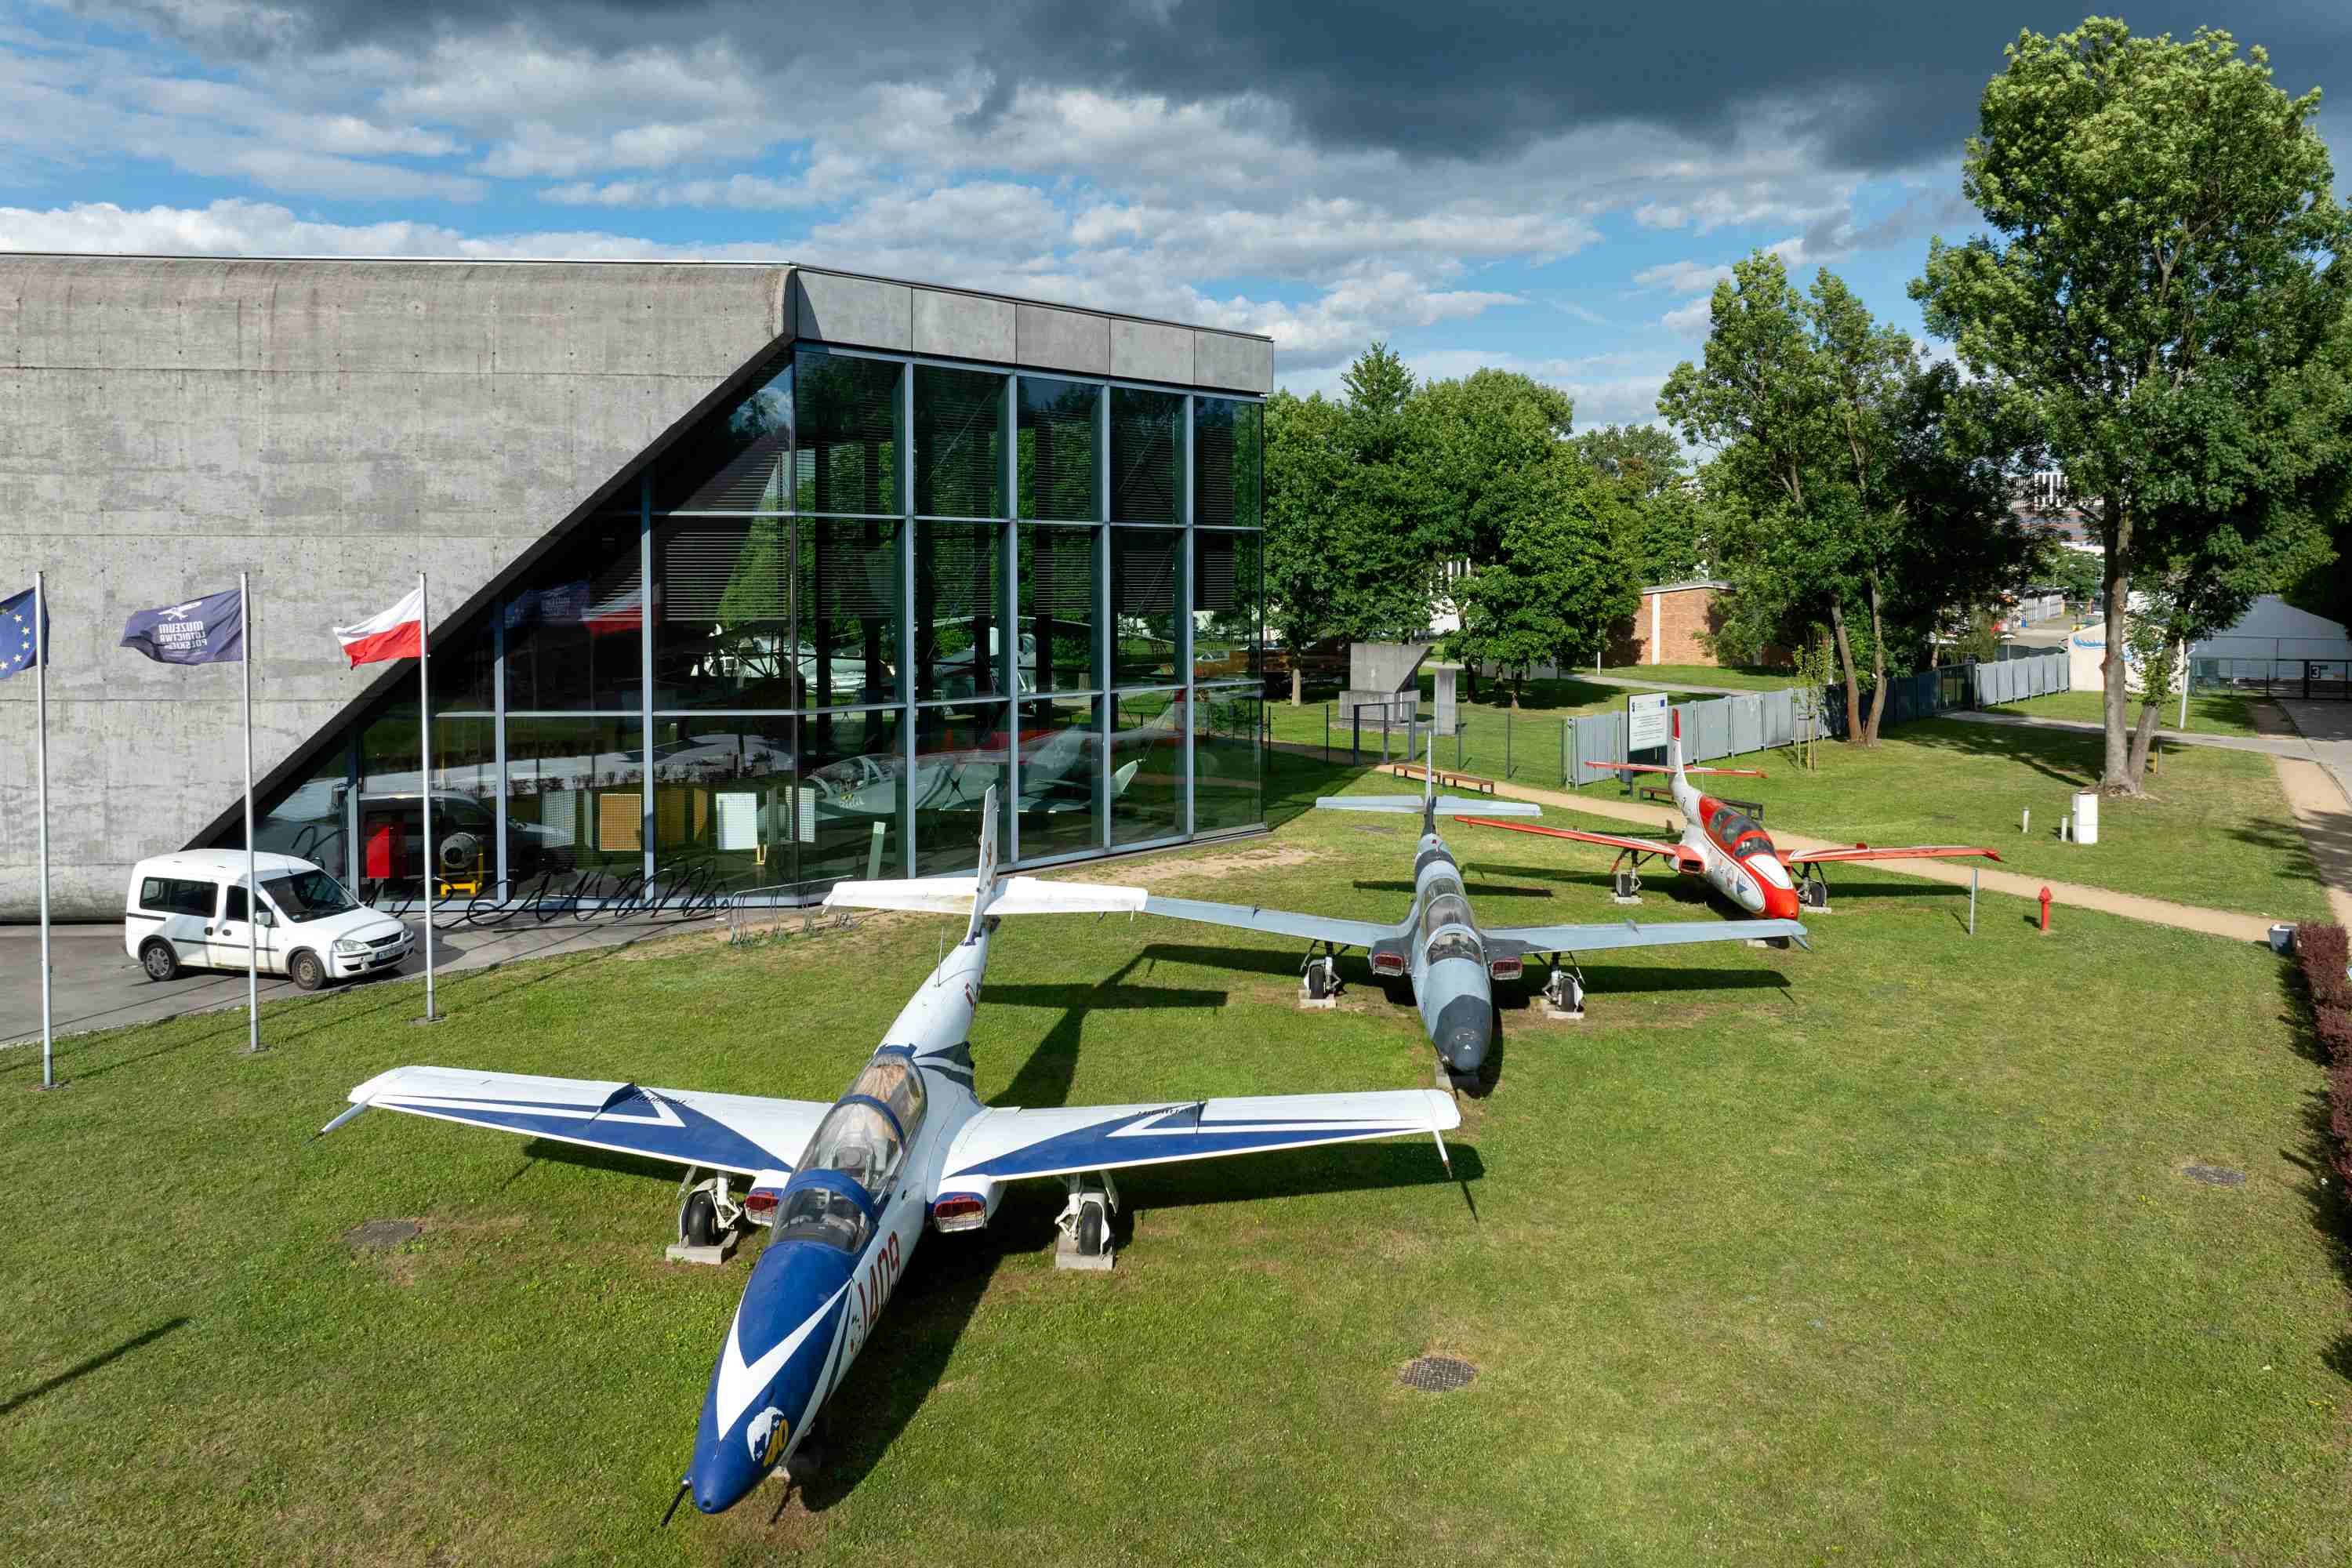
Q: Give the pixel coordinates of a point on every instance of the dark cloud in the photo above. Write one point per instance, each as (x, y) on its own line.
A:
(1860, 85)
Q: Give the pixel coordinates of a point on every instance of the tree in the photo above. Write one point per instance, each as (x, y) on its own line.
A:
(1306, 465)
(1561, 575)
(2165, 283)
(1649, 479)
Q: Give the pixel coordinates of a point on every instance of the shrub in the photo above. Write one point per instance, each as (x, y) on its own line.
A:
(2322, 950)
(2334, 1026)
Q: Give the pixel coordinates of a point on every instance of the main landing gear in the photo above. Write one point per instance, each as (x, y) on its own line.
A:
(1084, 1222)
(710, 1220)
(1318, 981)
(1563, 993)
(1813, 889)
(1625, 878)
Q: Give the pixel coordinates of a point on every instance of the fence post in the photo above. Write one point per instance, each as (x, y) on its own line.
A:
(1563, 752)
(1575, 753)
(1506, 744)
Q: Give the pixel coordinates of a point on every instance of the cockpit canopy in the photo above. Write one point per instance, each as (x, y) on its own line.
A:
(862, 1138)
(1739, 832)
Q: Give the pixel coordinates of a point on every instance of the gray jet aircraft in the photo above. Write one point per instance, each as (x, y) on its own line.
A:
(1439, 947)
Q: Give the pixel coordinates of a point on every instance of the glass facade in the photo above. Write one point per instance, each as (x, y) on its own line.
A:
(805, 641)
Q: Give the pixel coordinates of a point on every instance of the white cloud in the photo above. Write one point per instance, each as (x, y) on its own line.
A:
(233, 227)
(1682, 277)
(1691, 320)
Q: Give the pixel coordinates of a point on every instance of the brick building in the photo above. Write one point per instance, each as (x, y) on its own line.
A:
(1671, 626)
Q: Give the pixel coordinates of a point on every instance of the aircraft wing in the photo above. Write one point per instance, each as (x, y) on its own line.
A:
(1277, 923)
(1633, 933)
(740, 1133)
(1008, 1144)
(1911, 852)
(1613, 841)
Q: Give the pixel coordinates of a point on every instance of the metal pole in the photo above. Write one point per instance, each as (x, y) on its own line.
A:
(2184, 683)
(252, 860)
(424, 779)
(41, 798)
(1972, 898)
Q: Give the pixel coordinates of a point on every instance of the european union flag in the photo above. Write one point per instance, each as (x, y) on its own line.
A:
(16, 645)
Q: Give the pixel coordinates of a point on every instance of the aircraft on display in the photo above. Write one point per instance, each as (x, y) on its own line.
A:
(1439, 946)
(848, 1187)
(1728, 849)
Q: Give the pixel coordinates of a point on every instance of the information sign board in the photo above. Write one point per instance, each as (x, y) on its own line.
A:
(1648, 720)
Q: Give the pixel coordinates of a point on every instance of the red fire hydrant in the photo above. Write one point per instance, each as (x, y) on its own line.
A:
(2045, 911)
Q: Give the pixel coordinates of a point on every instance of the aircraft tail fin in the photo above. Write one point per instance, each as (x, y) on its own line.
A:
(1675, 744)
(985, 893)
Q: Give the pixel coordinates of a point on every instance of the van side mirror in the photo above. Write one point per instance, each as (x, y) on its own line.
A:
(264, 919)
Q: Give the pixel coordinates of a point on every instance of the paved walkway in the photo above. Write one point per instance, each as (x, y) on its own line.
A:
(2273, 745)
(2132, 906)
(2318, 787)
(1635, 683)
(94, 984)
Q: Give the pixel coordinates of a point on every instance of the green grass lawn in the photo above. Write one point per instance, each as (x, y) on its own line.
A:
(1879, 1253)
(2209, 713)
(1541, 707)
(1739, 677)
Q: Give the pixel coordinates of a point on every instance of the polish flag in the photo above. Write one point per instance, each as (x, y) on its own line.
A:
(396, 633)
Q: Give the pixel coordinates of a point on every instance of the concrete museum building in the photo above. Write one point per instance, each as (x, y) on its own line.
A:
(742, 576)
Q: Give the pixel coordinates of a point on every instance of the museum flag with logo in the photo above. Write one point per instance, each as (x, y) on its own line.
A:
(210, 629)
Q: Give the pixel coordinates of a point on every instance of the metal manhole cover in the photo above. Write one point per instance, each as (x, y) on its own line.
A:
(381, 1235)
(1437, 1373)
(2215, 1175)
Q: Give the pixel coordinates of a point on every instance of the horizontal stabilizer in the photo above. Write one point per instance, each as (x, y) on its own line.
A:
(1444, 805)
(1014, 896)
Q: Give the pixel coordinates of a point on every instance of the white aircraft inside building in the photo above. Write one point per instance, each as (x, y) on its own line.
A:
(849, 1187)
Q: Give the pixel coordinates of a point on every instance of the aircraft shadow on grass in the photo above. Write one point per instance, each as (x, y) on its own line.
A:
(88, 1364)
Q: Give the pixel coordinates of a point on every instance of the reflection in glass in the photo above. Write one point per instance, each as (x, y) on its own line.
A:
(848, 443)
(723, 801)
(305, 818)
(959, 611)
(1146, 737)
(391, 852)
(1226, 599)
(848, 593)
(465, 670)
(1061, 777)
(1056, 588)
(848, 813)
(959, 754)
(958, 442)
(1143, 597)
(576, 802)
(1225, 758)
(1228, 465)
(574, 631)
(722, 622)
(735, 460)
(1146, 433)
(1060, 450)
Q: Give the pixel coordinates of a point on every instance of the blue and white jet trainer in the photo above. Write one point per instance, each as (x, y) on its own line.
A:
(848, 1187)
(1439, 947)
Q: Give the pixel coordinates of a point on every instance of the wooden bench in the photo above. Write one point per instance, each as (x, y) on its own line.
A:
(1446, 778)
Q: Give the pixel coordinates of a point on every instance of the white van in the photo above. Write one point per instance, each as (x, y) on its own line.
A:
(188, 911)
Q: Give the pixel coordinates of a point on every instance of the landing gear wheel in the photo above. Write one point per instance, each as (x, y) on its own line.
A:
(700, 1220)
(305, 971)
(159, 961)
(1318, 979)
(1090, 1230)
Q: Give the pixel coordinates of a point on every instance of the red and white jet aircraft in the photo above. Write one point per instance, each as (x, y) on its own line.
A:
(1730, 849)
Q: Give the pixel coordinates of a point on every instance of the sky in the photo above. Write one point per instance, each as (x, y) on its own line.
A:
(1474, 182)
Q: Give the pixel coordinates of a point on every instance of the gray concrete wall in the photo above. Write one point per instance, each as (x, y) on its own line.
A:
(333, 427)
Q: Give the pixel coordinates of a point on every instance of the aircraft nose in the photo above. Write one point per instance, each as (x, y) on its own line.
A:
(1464, 1027)
(722, 1472)
(1780, 903)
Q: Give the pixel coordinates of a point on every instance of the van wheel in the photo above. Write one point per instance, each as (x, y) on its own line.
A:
(159, 961)
(306, 971)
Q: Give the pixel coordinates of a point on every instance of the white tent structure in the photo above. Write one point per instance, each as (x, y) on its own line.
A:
(2276, 645)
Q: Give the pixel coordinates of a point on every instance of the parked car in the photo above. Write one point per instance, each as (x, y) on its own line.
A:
(188, 911)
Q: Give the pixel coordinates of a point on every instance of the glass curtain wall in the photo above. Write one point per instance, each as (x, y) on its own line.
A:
(808, 640)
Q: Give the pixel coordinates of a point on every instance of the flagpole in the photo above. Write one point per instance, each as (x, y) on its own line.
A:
(425, 791)
(252, 860)
(41, 794)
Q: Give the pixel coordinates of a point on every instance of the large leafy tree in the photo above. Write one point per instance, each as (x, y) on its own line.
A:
(1561, 575)
(1649, 480)
(2165, 286)
(1307, 463)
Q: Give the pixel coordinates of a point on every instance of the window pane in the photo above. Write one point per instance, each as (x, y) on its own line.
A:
(723, 801)
(723, 623)
(849, 596)
(574, 635)
(1227, 468)
(1146, 430)
(1061, 777)
(958, 442)
(305, 820)
(1225, 761)
(463, 668)
(1143, 599)
(960, 754)
(959, 612)
(1147, 766)
(853, 780)
(735, 460)
(1060, 460)
(1227, 599)
(1057, 609)
(392, 851)
(575, 803)
(847, 446)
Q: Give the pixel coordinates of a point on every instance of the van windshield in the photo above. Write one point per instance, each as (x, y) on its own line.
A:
(308, 895)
